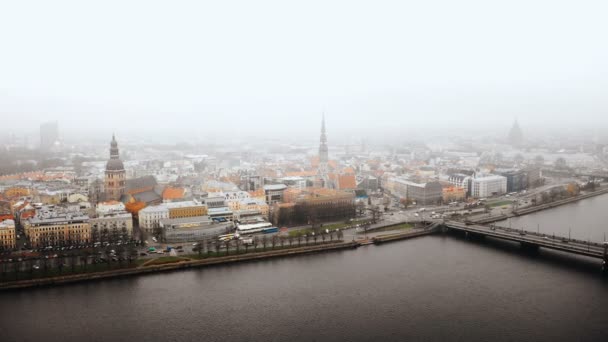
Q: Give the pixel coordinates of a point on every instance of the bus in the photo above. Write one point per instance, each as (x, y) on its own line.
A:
(270, 230)
(252, 228)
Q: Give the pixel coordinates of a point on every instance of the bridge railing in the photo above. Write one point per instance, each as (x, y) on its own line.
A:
(528, 232)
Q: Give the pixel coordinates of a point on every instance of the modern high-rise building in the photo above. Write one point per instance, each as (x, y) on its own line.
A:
(49, 135)
(115, 179)
(516, 136)
(322, 171)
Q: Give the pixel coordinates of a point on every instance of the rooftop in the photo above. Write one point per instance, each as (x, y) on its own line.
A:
(184, 204)
(7, 224)
(58, 218)
(271, 187)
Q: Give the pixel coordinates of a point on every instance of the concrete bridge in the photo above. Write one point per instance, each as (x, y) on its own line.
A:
(534, 240)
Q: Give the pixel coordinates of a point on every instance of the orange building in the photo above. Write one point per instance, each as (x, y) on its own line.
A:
(453, 194)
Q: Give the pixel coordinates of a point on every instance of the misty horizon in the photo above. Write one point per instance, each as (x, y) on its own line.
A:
(216, 70)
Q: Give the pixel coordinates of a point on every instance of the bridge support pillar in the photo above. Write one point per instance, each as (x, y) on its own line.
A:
(605, 261)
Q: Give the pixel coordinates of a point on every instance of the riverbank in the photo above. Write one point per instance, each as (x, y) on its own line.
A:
(333, 246)
(540, 207)
(404, 236)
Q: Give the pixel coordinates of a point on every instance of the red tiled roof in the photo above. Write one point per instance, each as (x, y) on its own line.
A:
(347, 181)
(173, 193)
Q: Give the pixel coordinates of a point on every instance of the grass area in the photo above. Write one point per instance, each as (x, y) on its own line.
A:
(329, 226)
(402, 226)
(164, 260)
(500, 203)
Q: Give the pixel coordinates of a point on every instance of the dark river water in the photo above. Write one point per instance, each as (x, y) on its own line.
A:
(435, 288)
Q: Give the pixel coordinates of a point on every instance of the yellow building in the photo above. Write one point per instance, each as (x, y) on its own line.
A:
(16, 192)
(250, 205)
(7, 234)
(186, 209)
(58, 229)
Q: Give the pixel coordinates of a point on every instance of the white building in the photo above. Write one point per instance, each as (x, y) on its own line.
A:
(112, 226)
(149, 217)
(485, 186)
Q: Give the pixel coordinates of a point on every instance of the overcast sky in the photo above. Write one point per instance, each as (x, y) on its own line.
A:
(273, 67)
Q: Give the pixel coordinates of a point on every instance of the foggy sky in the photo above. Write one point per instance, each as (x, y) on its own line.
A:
(216, 68)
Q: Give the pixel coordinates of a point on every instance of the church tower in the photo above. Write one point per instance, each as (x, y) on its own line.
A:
(322, 172)
(115, 174)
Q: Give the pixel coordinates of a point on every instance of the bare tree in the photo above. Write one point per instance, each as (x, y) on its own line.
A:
(199, 247)
(209, 246)
(73, 258)
(227, 243)
(218, 246)
(273, 241)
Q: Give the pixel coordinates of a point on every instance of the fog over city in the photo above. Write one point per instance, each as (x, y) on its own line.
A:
(218, 69)
(303, 170)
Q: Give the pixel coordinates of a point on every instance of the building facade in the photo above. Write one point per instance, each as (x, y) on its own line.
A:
(486, 186)
(58, 229)
(186, 209)
(7, 235)
(421, 193)
(274, 193)
(150, 217)
(112, 227)
(516, 180)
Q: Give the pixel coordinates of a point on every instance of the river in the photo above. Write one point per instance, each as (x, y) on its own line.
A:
(434, 288)
(583, 220)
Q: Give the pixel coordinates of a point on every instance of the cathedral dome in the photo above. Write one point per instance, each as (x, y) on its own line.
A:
(115, 165)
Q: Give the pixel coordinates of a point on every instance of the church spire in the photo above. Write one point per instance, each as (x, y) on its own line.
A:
(322, 172)
(323, 136)
(114, 153)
